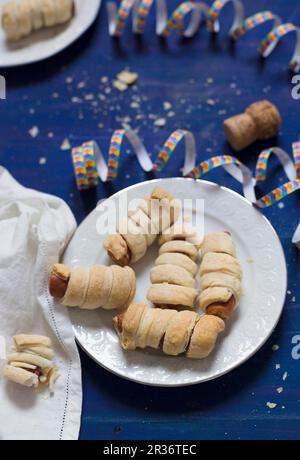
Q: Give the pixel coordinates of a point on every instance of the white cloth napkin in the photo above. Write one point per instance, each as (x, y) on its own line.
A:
(34, 230)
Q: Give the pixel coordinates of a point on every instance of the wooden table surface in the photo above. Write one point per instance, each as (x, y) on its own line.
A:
(205, 80)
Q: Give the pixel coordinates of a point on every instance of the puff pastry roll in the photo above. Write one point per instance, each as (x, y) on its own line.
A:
(22, 17)
(92, 288)
(136, 233)
(174, 332)
(181, 230)
(220, 275)
(218, 242)
(173, 277)
(30, 363)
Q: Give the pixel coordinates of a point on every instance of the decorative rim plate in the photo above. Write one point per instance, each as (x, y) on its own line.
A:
(48, 42)
(264, 283)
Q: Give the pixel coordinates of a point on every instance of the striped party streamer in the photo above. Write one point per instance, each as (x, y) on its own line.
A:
(254, 21)
(263, 159)
(232, 165)
(176, 20)
(90, 164)
(213, 24)
(117, 17)
(164, 26)
(85, 169)
(270, 42)
(193, 10)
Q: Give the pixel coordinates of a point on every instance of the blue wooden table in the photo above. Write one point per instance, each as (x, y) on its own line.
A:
(205, 80)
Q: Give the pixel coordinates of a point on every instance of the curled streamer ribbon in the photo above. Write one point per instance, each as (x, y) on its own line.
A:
(90, 164)
(192, 11)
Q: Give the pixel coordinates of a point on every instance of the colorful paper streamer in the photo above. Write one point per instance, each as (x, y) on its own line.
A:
(271, 40)
(89, 162)
(186, 20)
(90, 165)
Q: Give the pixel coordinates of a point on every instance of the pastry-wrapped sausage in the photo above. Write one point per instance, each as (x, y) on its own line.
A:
(30, 364)
(181, 231)
(220, 275)
(174, 332)
(92, 288)
(173, 277)
(218, 242)
(22, 17)
(136, 233)
(204, 336)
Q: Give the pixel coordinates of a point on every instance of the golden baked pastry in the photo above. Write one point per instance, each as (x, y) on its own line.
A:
(174, 332)
(139, 230)
(173, 277)
(94, 287)
(20, 18)
(30, 364)
(220, 275)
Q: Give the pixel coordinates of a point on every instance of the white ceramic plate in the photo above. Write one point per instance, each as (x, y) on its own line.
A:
(264, 283)
(47, 42)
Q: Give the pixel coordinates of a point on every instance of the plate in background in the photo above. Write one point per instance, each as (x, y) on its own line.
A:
(50, 41)
(265, 282)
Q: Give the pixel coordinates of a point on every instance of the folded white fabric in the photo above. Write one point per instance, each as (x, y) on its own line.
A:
(34, 230)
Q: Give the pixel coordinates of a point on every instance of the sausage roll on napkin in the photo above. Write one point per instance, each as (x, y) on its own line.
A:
(30, 364)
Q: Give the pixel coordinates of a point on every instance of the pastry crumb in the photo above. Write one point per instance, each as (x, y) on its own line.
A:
(275, 347)
(34, 131)
(160, 122)
(128, 78)
(120, 85)
(135, 105)
(271, 405)
(167, 105)
(42, 161)
(279, 390)
(65, 145)
(285, 375)
(76, 100)
(277, 366)
(210, 102)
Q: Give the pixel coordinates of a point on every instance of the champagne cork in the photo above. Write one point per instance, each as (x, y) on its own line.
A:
(260, 121)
